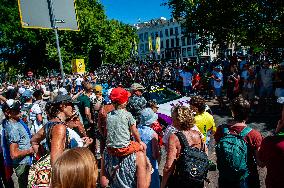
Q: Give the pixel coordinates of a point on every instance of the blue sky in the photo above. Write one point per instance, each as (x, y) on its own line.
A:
(129, 11)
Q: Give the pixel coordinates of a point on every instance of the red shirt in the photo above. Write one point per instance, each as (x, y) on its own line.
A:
(253, 139)
(272, 155)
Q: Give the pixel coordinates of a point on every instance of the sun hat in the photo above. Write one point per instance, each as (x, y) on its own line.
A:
(46, 95)
(119, 95)
(148, 116)
(137, 86)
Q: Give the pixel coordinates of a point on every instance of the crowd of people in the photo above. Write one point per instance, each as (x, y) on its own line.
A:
(53, 129)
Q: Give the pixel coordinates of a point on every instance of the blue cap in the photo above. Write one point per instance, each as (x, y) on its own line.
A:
(27, 93)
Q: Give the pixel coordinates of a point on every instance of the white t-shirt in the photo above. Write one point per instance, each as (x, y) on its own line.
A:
(79, 81)
(186, 78)
(35, 110)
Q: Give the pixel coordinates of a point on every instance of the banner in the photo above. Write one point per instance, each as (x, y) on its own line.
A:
(150, 43)
(158, 46)
(78, 66)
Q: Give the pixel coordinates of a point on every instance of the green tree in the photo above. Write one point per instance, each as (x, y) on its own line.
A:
(256, 23)
(35, 49)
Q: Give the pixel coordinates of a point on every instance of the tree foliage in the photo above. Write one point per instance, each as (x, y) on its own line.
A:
(256, 23)
(35, 49)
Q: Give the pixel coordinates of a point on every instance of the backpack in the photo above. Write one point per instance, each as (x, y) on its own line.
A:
(192, 165)
(231, 154)
(25, 111)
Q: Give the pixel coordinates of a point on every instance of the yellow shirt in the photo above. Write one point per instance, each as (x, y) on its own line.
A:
(205, 122)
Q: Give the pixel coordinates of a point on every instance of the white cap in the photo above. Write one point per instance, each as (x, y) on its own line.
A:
(22, 90)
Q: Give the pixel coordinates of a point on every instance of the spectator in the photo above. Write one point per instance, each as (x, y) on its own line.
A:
(271, 154)
(136, 102)
(183, 121)
(233, 82)
(75, 168)
(240, 109)
(120, 126)
(84, 106)
(218, 84)
(266, 75)
(187, 81)
(131, 171)
(17, 149)
(78, 83)
(150, 138)
(102, 116)
(203, 120)
(55, 131)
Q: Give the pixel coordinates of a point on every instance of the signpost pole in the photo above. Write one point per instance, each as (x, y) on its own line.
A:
(53, 23)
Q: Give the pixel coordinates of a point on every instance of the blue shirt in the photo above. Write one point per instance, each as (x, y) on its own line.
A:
(15, 132)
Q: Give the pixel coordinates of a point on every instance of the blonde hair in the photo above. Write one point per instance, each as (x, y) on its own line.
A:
(75, 168)
(184, 116)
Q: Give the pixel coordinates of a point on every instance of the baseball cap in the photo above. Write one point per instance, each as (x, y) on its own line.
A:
(137, 86)
(119, 95)
(63, 99)
(27, 93)
(98, 88)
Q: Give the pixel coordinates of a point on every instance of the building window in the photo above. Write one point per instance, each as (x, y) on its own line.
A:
(166, 32)
(171, 31)
(189, 53)
(177, 42)
(141, 48)
(147, 47)
(146, 36)
(172, 43)
(162, 44)
(167, 43)
(189, 41)
(176, 31)
(183, 41)
(152, 36)
(161, 34)
(194, 51)
(184, 52)
(141, 37)
(183, 30)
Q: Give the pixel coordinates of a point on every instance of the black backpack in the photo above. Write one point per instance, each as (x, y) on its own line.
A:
(192, 165)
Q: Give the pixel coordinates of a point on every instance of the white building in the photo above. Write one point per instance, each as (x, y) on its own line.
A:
(174, 44)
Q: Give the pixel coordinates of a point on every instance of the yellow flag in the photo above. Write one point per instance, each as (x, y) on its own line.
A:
(78, 66)
(158, 47)
(150, 43)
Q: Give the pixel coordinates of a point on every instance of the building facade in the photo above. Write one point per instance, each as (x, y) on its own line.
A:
(163, 39)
